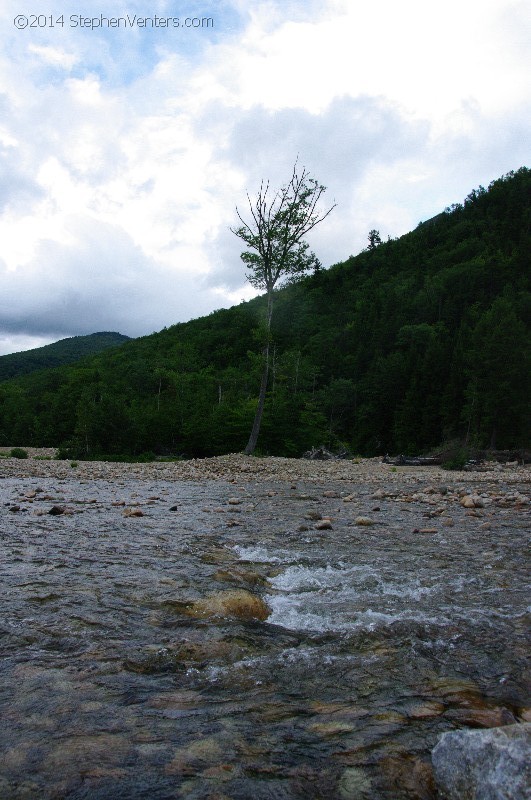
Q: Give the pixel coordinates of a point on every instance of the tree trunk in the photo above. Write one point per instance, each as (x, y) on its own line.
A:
(253, 438)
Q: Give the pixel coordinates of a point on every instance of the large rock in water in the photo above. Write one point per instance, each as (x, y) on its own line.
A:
(493, 764)
(238, 604)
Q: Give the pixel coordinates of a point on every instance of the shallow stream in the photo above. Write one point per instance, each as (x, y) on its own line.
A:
(380, 638)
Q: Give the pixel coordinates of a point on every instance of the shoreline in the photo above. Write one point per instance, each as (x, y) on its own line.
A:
(237, 467)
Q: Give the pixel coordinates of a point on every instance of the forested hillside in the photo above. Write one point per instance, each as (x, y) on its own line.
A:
(66, 351)
(418, 341)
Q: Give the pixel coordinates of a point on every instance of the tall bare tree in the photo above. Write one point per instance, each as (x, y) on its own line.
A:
(276, 251)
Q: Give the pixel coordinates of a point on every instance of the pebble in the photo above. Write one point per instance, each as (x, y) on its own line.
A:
(365, 521)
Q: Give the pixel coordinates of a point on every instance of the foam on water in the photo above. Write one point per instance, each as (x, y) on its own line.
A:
(343, 598)
(299, 578)
(294, 612)
(257, 554)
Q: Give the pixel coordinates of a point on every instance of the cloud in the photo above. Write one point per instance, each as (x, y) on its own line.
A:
(54, 56)
(98, 280)
(124, 153)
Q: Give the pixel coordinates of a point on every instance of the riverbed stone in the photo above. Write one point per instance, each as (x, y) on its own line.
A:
(427, 710)
(238, 603)
(355, 784)
(331, 729)
(409, 775)
(486, 717)
(493, 764)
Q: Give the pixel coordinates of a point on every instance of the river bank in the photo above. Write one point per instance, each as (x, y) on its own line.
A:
(236, 466)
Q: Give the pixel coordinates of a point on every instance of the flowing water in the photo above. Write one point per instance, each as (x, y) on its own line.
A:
(379, 638)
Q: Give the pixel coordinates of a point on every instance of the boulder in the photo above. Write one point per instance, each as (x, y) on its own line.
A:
(238, 604)
(492, 764)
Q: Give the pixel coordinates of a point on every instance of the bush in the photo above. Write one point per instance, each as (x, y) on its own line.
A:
(18, 452)
(66, 452)
(457, 459)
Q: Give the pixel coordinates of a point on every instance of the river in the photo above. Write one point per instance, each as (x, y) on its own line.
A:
(393, 616)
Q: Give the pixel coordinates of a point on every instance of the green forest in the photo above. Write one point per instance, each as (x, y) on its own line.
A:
(66, 351)
(412, 343)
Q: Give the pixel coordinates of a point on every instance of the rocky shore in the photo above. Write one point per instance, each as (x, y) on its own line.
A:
(237, 467)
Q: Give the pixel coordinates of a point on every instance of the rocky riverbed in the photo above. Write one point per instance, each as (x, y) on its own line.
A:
(238, 627)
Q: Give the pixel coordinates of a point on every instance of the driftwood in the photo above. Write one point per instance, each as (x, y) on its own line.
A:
(477, 457)
(323, 454)
(420, 461)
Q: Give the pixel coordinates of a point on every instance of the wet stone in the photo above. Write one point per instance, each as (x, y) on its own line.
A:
(355, 784)
(57, 510)
(492, 764)
(238, 603)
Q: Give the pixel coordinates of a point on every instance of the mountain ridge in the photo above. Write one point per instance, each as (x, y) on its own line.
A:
(64, 351)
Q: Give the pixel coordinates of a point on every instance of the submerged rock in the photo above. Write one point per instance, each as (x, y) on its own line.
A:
(493, 764)
(354, 784)
(237, 603)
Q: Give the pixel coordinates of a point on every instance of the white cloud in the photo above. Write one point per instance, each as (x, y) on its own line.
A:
(54, 56)
(123, 156)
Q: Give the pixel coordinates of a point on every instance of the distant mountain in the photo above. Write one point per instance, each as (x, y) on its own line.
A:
(58, 354)
(418, 341)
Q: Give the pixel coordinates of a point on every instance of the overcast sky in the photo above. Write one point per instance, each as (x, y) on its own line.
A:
(124, 150)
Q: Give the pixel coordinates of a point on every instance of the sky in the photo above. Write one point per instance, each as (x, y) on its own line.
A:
(127, 142)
